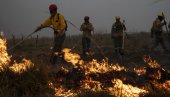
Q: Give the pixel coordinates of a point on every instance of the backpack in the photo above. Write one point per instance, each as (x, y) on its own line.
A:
(58, 17)
(64, 21)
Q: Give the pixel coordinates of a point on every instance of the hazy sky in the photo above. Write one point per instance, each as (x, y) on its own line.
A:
(23, 16)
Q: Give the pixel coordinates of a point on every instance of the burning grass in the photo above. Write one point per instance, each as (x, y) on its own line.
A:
(22, 79)
(84, 79)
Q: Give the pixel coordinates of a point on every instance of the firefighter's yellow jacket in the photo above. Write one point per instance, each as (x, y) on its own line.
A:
(87, 28)
(157, 26)
(57, 22)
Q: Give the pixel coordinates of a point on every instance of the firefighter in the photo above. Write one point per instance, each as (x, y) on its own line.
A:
(117, 34)
(156, 32)
(86, 28)
(57, 22)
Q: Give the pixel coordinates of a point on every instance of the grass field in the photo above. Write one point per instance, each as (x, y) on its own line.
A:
(40, 79)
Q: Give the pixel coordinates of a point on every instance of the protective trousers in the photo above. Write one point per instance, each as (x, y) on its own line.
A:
(58, 42)
(86, 42)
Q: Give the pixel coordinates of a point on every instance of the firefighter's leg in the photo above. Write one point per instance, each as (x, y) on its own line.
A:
(115, 42)
(60, 46)
(88, 44)
(58, 41)
(155, 44)
(84, 45)
(163, 44)
(121, 45)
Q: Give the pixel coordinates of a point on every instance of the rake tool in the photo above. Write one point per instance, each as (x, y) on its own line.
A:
(166, 26)
(24, 40)
(21, 41)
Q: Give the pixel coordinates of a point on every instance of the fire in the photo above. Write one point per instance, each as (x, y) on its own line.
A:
(61, 91)
(90, 67)
(101, 67)
(163, 86)
(71, 57)
(21, 67)
(122, 90)
(152, 63)
(116, 88)
(4, 58)
(89, 84)
(140, 71)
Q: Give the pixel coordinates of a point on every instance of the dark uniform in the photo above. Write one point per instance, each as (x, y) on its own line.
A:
(117, 34)
(156, 32)
(86, 28)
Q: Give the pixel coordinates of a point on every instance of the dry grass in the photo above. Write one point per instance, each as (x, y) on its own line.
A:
(34, 82)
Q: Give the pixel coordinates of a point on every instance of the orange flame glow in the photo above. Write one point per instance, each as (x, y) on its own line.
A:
(4, 58)
(21, 67)
(122, 90)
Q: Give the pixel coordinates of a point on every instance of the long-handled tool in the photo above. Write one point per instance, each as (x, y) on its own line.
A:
(166, 27)
(165, 23)
(21, 41)
(125, 29)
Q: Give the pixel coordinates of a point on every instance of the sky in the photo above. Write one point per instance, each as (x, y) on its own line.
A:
(21, 17)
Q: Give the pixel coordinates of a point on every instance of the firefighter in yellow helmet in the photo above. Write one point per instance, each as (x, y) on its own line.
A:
(57, 22)
(86, 28)
(117, 33)
(156, 32)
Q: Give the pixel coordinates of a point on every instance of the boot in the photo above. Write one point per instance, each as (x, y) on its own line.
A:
(53, 60)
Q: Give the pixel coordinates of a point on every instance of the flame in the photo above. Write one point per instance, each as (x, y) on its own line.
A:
(89, 84)
(61, 91)
(90, 67)
(21, 67)
(71, 57)
(163, 86)
(140, 71)
(152, 63)
(101, 67)
(4, 58)
(119, 89)
(122, 90)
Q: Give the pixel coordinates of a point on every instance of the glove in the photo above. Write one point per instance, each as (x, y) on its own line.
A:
(38, 28)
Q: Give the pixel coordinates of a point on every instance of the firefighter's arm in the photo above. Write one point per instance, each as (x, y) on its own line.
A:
(46, 23)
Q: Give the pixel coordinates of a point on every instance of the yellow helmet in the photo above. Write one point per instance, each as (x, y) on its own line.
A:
(160, 15)
(117, 17)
